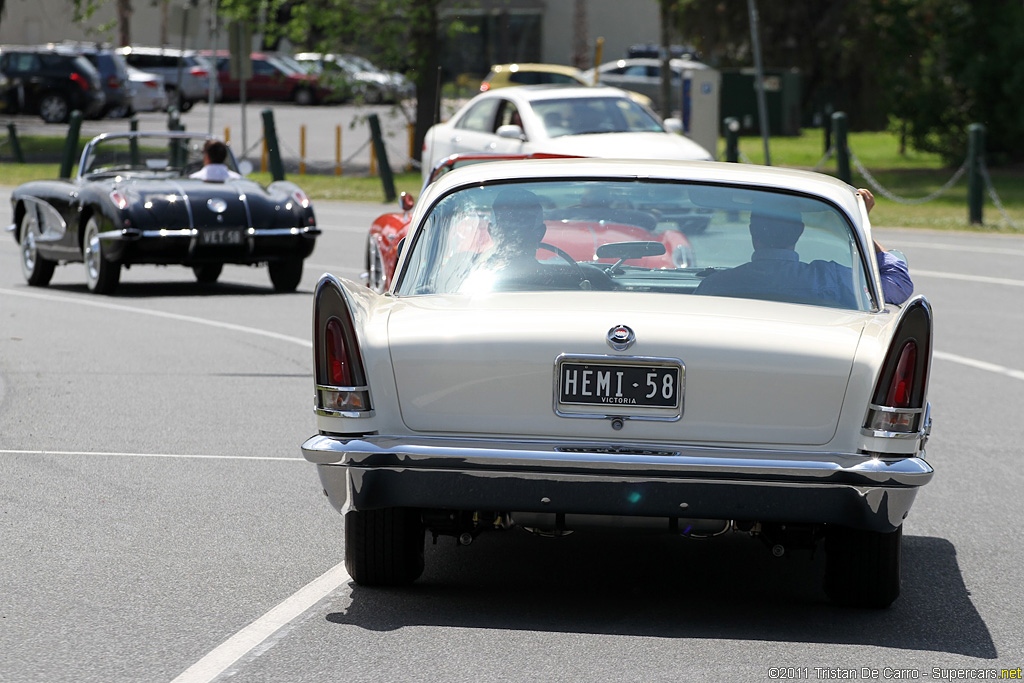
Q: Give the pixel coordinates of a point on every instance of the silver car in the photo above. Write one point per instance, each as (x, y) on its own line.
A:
(186, 74)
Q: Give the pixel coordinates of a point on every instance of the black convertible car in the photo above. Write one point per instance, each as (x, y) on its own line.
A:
(133, 201)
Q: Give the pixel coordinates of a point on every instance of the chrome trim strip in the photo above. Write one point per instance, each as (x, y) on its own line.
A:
(328, 387)
(890, 409)
(13, 227)
(344, 413)
(470, 455)
(281, 232)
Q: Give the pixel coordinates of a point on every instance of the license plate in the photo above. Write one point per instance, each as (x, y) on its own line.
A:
(221, 236)
(619, 384)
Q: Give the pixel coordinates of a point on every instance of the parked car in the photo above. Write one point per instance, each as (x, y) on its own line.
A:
(272, 80)
(490, 390)
(611, 218)
(505, 75)
(359, 78)
(186, 74)
(567, 120)
(133, 202)
(643, 75)
(148, 92)
(113, 75)
(42, 81)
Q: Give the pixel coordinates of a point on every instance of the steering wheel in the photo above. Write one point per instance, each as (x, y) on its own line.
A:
(599, 276)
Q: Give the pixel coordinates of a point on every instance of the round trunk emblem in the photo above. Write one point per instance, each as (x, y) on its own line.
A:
(621, 337)
(217, 205)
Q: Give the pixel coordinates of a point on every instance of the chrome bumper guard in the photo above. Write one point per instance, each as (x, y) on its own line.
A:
(606, 479)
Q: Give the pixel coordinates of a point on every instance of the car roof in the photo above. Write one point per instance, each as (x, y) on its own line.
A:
(535, 66)
(819, 185)
(547, 91)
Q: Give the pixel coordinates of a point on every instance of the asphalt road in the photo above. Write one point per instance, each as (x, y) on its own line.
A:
(157, 520)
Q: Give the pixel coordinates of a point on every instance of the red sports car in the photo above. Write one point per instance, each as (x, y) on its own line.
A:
(578, 230)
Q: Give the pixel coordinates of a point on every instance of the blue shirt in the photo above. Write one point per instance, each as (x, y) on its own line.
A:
(780, 275)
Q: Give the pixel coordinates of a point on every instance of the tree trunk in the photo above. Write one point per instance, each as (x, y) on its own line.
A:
(425, 44)
(124, 21)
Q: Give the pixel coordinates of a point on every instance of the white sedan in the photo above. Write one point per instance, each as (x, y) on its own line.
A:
(565, 120)
(503, 382)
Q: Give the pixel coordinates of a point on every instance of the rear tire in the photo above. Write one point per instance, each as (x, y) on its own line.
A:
(207, 273)
(862, 568)
(384, 547)
(101, 275)
(286, 274)
(37, 269)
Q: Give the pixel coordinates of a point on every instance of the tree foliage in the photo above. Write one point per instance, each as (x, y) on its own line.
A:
(931, 66)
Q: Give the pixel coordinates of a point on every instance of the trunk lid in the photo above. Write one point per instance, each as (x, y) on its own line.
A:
(755, 372)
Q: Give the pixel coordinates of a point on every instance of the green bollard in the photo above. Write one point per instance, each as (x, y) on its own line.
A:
(975, 182)
(71, 144)
(732, 139)
(273, 148)
(842, 150)
(386, 177)
(12, 134)
(133, 143)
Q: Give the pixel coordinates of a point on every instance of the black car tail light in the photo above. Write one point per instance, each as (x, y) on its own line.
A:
(113, 83)
(341, 388)
(898, 402)
(81, 80)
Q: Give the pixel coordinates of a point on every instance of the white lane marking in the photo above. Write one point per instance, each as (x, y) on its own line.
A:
(235, 647)
(980, 365)
(940, 246)
(81, 301)
(967, 278)
(182, 456)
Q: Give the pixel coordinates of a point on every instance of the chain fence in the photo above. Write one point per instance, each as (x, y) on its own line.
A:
(877, 186)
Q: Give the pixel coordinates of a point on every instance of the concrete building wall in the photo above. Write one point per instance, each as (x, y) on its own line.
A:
(620, 22)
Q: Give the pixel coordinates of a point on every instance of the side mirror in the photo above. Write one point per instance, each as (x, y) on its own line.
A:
(406, 201)
(674, 125)
(510, 131)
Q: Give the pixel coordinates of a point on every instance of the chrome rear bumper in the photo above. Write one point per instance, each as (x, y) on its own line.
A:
(615, 479)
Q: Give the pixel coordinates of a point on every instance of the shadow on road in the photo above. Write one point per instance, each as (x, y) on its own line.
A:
(729, 588)
(144, 290)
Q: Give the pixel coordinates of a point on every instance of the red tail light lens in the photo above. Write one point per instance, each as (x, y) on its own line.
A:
(120, 201)
(338, 367)
(113, 83)
(199, 73)
(903, 380)
(81, 80)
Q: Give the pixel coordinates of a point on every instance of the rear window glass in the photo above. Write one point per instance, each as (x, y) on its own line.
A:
(638, 236)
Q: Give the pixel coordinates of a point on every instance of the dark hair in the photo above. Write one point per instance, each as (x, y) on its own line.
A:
(776, 230)
(216, 151)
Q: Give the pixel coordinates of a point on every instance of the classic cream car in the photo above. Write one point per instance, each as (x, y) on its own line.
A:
(503, 383)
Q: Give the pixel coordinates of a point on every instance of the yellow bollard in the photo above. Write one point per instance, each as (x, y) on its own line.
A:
(337, 150)
(373, 161)
(227, 135)
(263, 157)
(302, 149)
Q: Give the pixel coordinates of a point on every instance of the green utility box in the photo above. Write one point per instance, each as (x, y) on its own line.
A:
(782, 97)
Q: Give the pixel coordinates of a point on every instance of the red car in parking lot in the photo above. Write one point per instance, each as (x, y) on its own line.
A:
(272, 79)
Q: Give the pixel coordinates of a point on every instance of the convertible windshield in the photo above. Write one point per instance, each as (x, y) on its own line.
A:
(638, 236)
(582, 116)
(145, 154)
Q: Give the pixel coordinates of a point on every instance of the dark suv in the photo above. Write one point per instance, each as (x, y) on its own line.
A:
(50, 83)
(113, 75)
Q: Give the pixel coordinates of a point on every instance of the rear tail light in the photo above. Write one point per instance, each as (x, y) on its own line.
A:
(150, 84)
(199, 73)
(113, 83)
(341, 388)
(119, 200)
(898, 403)
(300, 198)
(81, 80)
